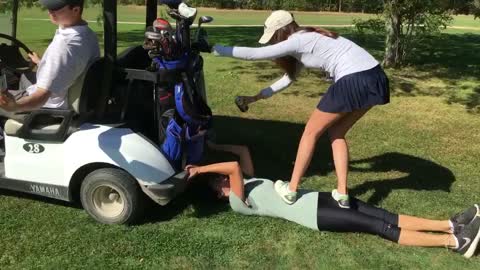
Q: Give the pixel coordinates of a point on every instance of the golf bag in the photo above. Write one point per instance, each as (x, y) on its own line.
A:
(183, 113)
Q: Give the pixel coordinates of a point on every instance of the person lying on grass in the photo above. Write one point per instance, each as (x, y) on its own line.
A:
(319, 211)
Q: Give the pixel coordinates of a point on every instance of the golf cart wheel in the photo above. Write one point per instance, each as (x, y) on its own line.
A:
(112, 196)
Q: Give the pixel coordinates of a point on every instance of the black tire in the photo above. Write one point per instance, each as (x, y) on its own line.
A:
(112, 196)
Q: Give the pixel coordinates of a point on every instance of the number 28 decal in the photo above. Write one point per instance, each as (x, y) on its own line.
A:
(33, 148)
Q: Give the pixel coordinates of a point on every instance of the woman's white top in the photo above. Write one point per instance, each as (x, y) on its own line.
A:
(338, 56)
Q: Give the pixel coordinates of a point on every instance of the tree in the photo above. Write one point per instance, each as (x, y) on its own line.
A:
(409, 20)
(476, 8)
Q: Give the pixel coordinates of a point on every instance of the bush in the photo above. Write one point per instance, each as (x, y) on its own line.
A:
(376, 25)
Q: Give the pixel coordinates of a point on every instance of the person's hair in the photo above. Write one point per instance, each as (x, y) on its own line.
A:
(200, 187)
(289, 64)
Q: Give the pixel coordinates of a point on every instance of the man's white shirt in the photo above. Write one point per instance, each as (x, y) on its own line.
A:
(66, 58)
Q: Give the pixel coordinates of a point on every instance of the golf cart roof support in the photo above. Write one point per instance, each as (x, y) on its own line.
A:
(14, 18)
(151, 7)
(110, 52)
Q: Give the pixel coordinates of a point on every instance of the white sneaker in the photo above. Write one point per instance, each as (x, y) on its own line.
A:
(284, 192)
(342, 199)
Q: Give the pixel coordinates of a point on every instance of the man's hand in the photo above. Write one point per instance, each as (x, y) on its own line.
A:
(7, 102)
(34, 57)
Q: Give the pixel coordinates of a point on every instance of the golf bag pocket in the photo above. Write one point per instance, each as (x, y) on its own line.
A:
(195, 144)
(172, 145)
(165, 99)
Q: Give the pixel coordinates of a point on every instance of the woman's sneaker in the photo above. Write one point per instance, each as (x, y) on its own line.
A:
(468, 238)
(241, 104)
(284, 192)
(342, 199)
(461, 219)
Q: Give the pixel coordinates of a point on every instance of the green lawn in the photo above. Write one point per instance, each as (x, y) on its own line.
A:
(418, 155)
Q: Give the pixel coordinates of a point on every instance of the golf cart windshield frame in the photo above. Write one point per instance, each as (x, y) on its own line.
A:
(110, 44)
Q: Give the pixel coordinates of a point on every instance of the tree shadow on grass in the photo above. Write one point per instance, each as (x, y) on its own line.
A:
(421, 174)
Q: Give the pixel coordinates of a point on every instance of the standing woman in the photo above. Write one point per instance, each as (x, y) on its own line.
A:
(360, 83)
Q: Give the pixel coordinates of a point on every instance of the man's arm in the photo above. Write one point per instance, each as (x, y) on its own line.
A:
(29, 103)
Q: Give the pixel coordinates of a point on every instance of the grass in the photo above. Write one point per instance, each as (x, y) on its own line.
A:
(417, 155)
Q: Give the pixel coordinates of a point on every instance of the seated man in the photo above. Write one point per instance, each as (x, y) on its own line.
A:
(72, 49)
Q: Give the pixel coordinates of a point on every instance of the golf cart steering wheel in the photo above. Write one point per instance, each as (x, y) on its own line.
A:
(12, 59)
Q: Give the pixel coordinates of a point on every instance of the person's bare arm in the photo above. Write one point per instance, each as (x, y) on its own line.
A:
(230, 169)
(246, 163)
(29, 103)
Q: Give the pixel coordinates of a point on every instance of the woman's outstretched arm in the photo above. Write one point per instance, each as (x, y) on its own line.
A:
(284, 48)
(230, 169)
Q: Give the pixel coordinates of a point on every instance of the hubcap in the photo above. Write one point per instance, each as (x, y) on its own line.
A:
(108, 201)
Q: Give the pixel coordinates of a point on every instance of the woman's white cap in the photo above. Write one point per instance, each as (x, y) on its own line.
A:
(275, 21)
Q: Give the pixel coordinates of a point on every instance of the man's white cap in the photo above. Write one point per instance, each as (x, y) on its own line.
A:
(275, 21)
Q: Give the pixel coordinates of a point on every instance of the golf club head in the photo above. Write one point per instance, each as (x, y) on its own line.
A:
(186, 11)
(205, 19)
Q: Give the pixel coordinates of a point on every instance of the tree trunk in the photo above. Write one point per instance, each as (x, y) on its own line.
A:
(339, 5)
(393, 42)
(14, 19)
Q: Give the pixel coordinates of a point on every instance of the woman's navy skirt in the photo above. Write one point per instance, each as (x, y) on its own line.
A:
(360, 90)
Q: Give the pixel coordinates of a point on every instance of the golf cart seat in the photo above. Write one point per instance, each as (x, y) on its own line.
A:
(57, 124)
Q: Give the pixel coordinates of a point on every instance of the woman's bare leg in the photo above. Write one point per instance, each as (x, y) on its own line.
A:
(414, 238)
(422, 224)
(337, 134)
(318, 123)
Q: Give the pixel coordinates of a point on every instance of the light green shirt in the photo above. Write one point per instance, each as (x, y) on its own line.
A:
(263, 200)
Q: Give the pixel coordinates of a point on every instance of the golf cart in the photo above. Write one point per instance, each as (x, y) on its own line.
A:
(131, 126)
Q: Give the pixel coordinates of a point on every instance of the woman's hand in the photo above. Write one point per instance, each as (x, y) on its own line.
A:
(219, 50)
(34, 58)
(192, 171)
(242, 102)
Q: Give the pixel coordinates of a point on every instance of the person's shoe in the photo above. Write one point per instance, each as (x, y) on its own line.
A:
(241, 104)
(461, 219)
(468, 238)
(342, 199)
(284, 192)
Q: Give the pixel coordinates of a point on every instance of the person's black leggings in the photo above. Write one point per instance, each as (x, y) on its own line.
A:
(361, 217)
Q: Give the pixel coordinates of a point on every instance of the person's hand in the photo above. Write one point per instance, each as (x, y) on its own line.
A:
(192, 171)
(7, 101)
(220, 50)
(34, 58)
(216, 49)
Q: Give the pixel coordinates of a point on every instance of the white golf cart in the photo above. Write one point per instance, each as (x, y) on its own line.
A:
(103, 151)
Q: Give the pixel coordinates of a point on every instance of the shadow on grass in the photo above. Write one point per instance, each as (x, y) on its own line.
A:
(421, 174)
